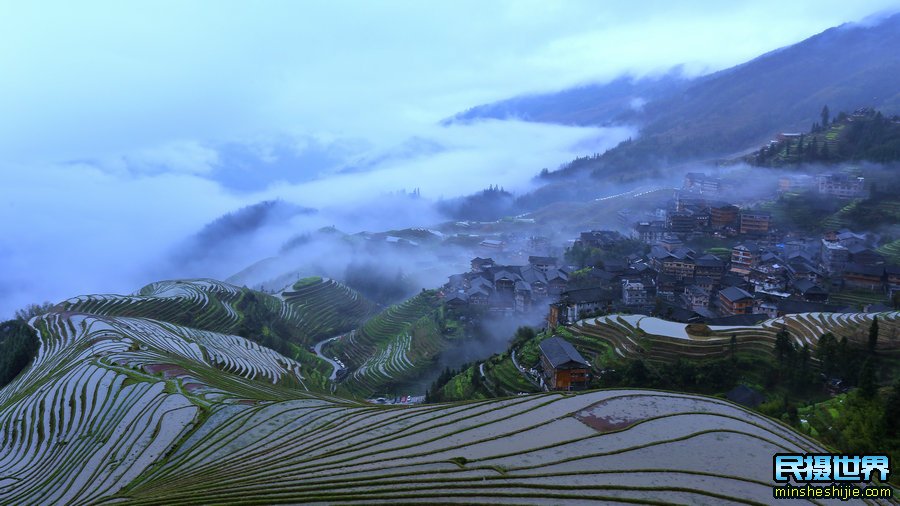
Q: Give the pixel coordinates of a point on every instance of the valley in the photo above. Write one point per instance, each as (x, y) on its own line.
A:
(469, 253)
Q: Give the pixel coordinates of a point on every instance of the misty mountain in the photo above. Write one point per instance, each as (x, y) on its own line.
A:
(231, 229)
(248, 167)
(486, 205)
(846, 67)
(593, 104)
(411, 148)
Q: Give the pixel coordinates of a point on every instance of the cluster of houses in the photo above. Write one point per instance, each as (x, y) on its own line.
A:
(697, 208)
(765, 273)
(701, 212)
(838, 185)
(759, 278)
(508, 288)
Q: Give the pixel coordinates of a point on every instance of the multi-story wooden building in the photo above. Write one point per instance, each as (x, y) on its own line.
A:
(564, 368)
(710, 266)
(634, 293)
(722, 215)
(680, 266)
(734, 300)
(863, 277)
(755, 222)
(744, 257)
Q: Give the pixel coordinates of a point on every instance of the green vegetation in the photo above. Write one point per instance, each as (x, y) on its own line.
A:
(891, 251)
(395, 346)
(326, 308)
(857, 299)
(309, 281)
(802, 211)
(584, 256)
(810, 212)
(18, 347)
(32, 310)
(867, 136)
(463, 384)
(857, 423)
(506, 379)
(495, 377)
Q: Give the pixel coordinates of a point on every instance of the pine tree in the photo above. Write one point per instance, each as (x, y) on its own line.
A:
(784, 348)
(867, 385)
(826, 352)
(892, 412)
(873, 334)
(825, 115)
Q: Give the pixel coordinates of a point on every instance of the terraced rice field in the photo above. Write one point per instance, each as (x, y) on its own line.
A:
(117, 408)
(132, 409)
(328, 307)
(201, 303)
(638, 336)
(392, 347)
(858, 299)
(316, 310)
(106, 397)
(891, 251)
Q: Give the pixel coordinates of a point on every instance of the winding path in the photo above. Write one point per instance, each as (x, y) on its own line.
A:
(522, 370)
(318, 351)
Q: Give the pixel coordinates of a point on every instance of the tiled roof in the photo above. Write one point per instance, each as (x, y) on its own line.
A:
(559, 352)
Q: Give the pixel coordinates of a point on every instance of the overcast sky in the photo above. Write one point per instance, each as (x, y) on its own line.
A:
(85, 79)
(117, 119)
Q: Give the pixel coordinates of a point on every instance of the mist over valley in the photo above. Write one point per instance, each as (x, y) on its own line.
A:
(480, 253)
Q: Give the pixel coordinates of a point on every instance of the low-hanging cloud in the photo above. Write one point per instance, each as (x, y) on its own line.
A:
(111, 227)
(177, 113)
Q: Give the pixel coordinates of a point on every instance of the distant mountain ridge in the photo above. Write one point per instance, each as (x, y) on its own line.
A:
(229, 230)
(590, 104)
(845, 67)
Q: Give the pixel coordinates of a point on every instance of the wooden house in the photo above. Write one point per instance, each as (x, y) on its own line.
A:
(863, 277)
(734, 300)
(564, 368)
